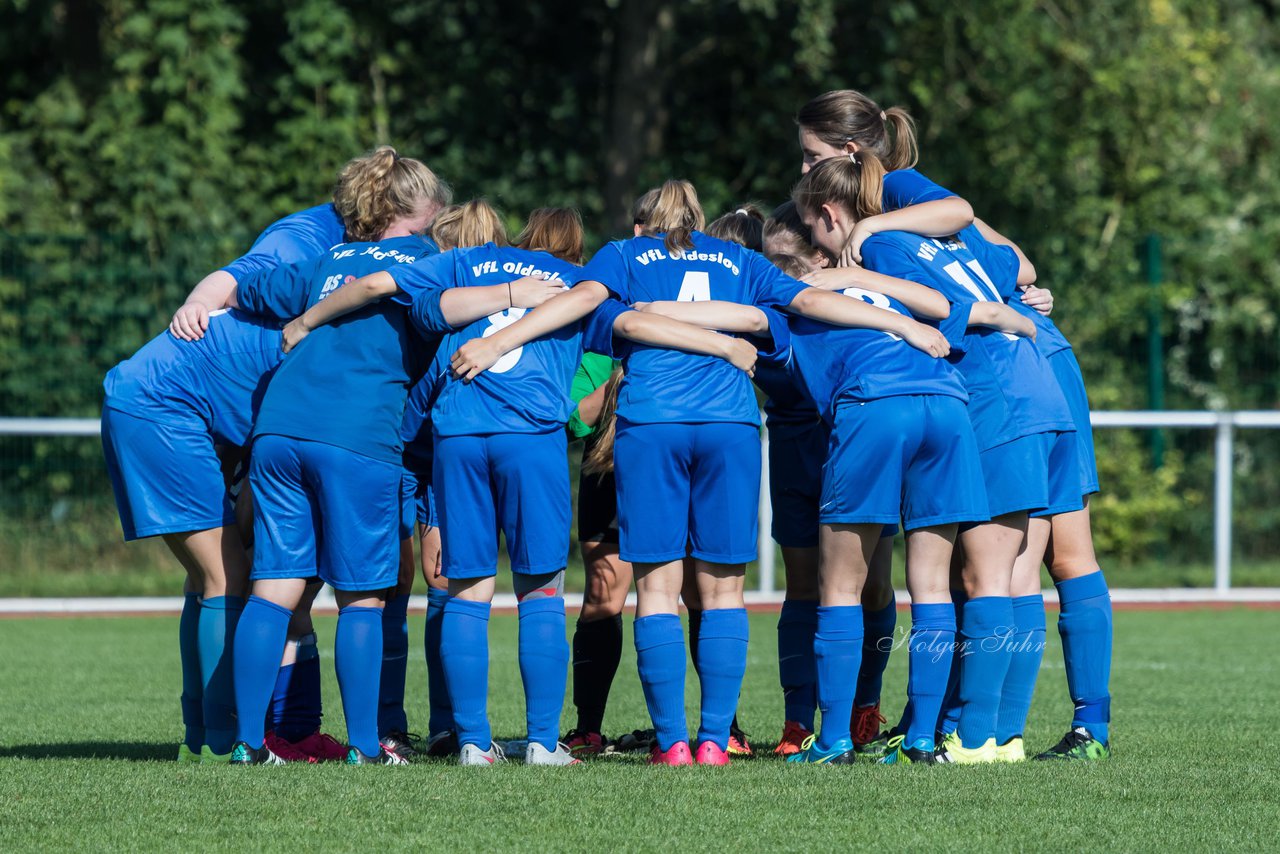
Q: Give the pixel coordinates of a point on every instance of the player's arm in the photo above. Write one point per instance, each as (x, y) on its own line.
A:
(279, 293)
(921, 300)
(461, 306)
(479, 354)
(998, 316)
(1026, 270)
(210, 294)
(659, 331)
(937, 218)
(839, 310)
(711, 314)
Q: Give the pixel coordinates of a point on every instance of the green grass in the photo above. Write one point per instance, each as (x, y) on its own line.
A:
(89, 721)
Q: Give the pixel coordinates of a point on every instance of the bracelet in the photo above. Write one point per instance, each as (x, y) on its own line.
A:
(511, 303)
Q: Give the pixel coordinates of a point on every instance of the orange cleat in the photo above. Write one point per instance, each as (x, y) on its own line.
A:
(792, 741)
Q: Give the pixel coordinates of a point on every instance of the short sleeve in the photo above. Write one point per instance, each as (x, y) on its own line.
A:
(597, 329)
(955, 326)
(770, 286)
(425, 312)
(906, 187)
(280, 293)
(436, 273)
(777, 349)
(609, 269)
(298, 237)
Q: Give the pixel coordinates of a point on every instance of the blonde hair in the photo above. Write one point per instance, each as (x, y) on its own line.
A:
(557, 231)
(373, 190)
(676, 211)
(855, 181)
(846, 115)
(474, 223)
(642, 208)
(599, 460)
(785, 233)
(744, 226)
(793, 265)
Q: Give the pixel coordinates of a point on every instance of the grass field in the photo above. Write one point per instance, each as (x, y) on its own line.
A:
(89, 723)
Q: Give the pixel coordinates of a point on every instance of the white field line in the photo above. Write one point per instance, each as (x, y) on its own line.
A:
(507, 601)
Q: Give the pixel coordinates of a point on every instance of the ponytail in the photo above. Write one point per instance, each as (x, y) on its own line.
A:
(854, 181)
(845, 115)
(472, 224)
(373, 190)
(674, 210)
(599, 460)
(556, 231)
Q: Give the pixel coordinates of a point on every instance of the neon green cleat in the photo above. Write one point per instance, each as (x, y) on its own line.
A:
(1078, 744)
(899, 754)
(1011, 751)
(208, 757)
(187, 756)
(953, 752)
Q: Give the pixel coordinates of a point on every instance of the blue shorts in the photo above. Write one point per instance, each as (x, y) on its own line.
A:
(419, 500)
(796, 455)
(323, 510)
(518, 482)
(693, 487)
(1065, 494)
(1017, 474)
(166, 477)
(912, 457)
(1067, 370)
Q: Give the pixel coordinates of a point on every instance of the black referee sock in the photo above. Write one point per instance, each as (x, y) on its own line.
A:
(597, 650)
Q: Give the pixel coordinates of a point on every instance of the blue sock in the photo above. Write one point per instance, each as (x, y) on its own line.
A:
(949, 717)
(660, 658)
(260, 638)
(441, 711)
(1084, 622)
(544, 667)
(192, 687)
(932, 646)
(837, 649)
(1024, 667)
(722, 651)
(988, 625)
(796, 668)
(295, 711)
(464, 651)
(395, 660)
(357, 657)
(877, 643)
(218, 618)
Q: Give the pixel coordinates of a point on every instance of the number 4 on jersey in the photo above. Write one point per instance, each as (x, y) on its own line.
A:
(695, 287)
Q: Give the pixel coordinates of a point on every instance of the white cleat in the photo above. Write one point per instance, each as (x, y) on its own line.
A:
(536, 754)
(473, 755)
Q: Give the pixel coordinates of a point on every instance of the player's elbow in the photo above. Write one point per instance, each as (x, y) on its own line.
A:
(934, 307)
(803, 302)
(1026, 270)
(630, 323)
(961, 210)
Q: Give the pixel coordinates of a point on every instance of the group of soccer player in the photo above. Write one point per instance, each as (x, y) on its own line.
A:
(391, 368)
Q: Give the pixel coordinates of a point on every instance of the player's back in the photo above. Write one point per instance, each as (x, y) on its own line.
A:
(214, 383)
(299, 236)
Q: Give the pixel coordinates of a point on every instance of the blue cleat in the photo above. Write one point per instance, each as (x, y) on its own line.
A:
(841, 753)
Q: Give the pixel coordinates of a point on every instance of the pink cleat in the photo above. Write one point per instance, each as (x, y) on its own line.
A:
(322, 748)
(709, 753)
(677, 755)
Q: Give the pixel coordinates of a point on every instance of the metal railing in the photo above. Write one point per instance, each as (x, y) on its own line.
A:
(1224, 425)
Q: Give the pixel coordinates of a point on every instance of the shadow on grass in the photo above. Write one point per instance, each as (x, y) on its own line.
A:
(131, 751)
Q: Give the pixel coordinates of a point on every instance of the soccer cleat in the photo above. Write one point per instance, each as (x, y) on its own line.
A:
(322, 748)
(953, 752)
(187, 756)
(1011, 751)
(738, 744)
(243, 754)
(792, 741)
(914, 755)
(286, 750)
(636, 741)
(679, 754)
(355, 756)
(443, 743)
(581, 743)
(841, 753)
(709, 753)
(208, 757)
(864, 725)
(1078, 744)
(402, 744)
(471, 754)
(536, 754)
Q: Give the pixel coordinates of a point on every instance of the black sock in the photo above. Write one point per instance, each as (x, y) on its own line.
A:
(695, 629)
(597, 649)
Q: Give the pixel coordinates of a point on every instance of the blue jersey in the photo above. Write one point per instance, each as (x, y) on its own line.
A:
(346, 383)
(527, 390)
(788, 408)
(297, 237)
(1012, 390)
(843, 365)
(1049, 339)
(214, 384)
(905, 187)
(664, 385)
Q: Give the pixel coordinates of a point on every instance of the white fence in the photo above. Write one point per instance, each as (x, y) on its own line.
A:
(1224, 424)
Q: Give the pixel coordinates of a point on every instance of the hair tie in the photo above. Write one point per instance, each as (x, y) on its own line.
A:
(883, 117)
(742, 211)
(852, 158)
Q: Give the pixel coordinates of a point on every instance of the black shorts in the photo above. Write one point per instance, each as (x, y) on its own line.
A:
(597, 506)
